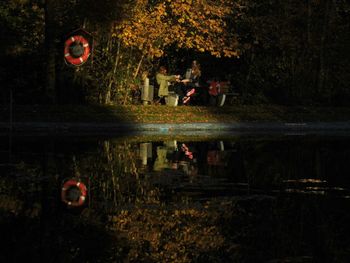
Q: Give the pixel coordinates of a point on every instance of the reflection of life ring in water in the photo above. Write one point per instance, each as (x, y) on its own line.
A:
(76, 50)
(73, 193)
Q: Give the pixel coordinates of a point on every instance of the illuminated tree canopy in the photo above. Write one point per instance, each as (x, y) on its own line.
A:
(199, 25)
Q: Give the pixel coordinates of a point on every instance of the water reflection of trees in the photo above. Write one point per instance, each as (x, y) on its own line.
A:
(258, 227)
(140, 213)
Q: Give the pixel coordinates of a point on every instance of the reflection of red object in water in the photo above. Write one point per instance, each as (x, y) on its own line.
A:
(213, 158)
(185, 149)
(73, 193)
(189, 155)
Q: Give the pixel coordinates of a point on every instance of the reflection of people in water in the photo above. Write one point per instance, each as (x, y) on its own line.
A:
(194, 158)
(187, 161)
(214, 158)
(216, 154)
(187, 151)
(161, 161)
(189, 168)
(145, 152)
(175, 156)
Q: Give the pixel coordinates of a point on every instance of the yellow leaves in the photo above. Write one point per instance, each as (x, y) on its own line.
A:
(230, 53)
(181, 20)
(158, 53)
(172, 234)
(183, 23)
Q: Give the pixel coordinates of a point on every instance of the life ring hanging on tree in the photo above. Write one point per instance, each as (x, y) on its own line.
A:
(74, 193)
(76, 50)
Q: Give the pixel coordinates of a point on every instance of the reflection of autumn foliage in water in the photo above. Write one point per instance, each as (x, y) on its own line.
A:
(138, 215)
(178, 234)
(119, 181)
(155, 229)
(180, 229)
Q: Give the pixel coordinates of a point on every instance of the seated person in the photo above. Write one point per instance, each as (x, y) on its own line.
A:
(217, 91)
(191, 82)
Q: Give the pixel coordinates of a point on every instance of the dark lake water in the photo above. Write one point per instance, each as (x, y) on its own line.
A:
(175, 199)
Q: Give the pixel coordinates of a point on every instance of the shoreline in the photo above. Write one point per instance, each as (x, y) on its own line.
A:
(256, 127)
(162, 120)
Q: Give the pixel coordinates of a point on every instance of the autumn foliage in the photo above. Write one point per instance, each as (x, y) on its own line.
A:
(199, 25)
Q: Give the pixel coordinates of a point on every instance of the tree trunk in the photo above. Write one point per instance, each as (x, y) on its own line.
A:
(126, 83)
(139, 66)
(245, 87)
(322, 65)
(309, 23)
(109, 88)
(108, 93)
(50, 52)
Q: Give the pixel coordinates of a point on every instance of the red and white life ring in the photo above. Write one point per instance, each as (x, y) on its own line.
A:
(69, 185)
(74, 59)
